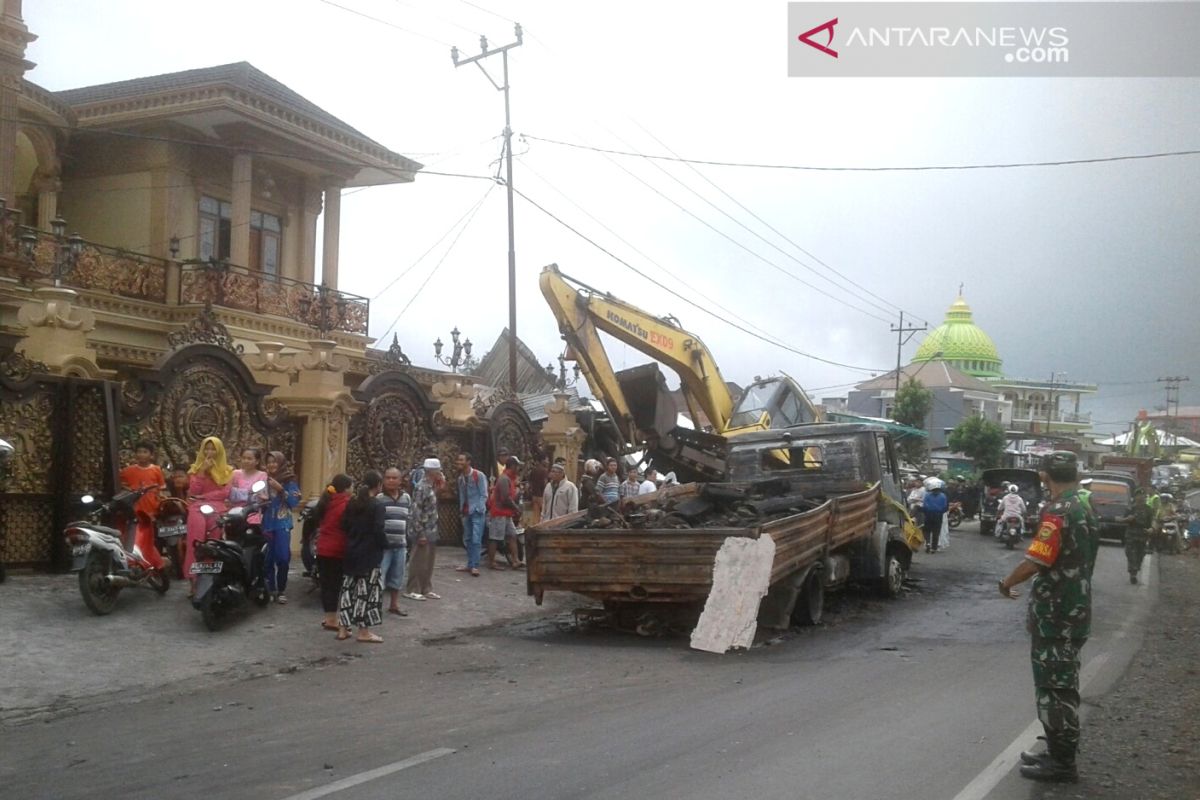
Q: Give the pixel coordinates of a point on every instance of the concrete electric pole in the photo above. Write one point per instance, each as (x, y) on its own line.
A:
(1173, 383)
(508, 183)
(902, 340)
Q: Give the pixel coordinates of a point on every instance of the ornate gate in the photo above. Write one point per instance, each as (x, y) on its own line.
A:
(63, 431)
(203, 390)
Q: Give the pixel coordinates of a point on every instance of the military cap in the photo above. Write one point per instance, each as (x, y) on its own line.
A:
(1060, 465)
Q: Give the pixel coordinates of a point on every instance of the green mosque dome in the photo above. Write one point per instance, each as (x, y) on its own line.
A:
(962, 344)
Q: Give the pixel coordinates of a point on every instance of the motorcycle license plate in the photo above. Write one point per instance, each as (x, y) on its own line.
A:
(80, 550)
(206, 567)
(172, 531)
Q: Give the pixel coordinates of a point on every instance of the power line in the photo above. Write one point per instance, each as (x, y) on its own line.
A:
(632, 247)
(923, 168)
(436, 266)
(775, 230)
(469, 212)
(757, 255)
(381, 21)
(487, 11)
(674, 293)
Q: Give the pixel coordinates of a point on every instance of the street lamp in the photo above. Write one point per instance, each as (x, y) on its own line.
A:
(461, 357)
(560, 380)
(67, 249)
(330, 311)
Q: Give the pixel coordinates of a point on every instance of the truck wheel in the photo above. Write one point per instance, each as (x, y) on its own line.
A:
(892, 581)
(811, 602)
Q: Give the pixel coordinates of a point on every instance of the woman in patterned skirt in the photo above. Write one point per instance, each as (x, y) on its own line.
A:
(361, 600)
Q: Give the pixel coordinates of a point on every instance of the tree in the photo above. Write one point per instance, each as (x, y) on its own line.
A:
(912, 407)
(980, 439)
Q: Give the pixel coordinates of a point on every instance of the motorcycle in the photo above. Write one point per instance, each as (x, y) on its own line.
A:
(954, 515)
(98, 554)
(1011, 531)
(170, 529)
(308, 544)
(1169, 538)
(230, 572)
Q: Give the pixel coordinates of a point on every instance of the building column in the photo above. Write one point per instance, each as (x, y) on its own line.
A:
(48, 189)
(239, 234)
(333, 223)
(311, 209)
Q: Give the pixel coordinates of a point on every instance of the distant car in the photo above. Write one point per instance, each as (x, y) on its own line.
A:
(995, 482)
(1112, 500)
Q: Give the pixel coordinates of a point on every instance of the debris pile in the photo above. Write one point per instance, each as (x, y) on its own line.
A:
(715, 505)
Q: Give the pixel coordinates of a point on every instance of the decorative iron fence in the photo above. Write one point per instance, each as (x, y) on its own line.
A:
(31, 255)
(231, 286)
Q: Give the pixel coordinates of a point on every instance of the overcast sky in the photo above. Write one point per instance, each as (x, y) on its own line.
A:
(1086, 270)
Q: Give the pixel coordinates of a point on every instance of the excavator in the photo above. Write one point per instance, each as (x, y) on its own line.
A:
(638, 399)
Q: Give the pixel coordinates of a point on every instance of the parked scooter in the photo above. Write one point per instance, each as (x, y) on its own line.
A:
(954, 515)
(170, 530)
(98, 554)
(1011, 531)
(231, 571)
(308, 544)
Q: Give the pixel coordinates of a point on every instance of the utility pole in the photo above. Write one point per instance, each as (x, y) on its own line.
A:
(1050, 405)
(901, 340)
(508, 183)
(1173, 383)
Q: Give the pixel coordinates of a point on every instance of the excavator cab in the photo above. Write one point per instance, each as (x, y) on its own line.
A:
(769, 404)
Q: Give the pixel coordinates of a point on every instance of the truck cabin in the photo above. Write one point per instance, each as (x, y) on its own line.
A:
(818, 460)
(777, 400)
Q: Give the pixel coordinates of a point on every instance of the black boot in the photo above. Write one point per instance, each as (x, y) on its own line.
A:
(1036, 753)
(1051, 769)
(1133, 578)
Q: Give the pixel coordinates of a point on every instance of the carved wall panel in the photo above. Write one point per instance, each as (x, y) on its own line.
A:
(510, 428)
(201, 391)
(393, 429)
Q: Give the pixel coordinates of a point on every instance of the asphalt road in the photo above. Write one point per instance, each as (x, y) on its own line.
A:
(926, 696)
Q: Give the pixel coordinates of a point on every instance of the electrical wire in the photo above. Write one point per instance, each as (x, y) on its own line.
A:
(674, 293)
(401, 28)
(487, 11)
(469, 212)
(922, 168)
(654, 263)
(735, 242)
(436, 266)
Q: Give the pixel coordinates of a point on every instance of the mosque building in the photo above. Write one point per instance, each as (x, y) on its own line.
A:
(960, 364)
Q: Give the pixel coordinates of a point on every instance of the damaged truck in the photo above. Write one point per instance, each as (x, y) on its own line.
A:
(801, 511)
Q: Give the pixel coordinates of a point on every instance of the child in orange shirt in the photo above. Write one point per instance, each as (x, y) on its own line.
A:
(143, 472)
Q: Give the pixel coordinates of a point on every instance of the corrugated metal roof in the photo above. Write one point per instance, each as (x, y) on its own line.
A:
(531, 376)
(535, 403)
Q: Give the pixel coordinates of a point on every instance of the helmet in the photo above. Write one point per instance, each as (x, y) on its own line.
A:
(1012, 488)
(1061, 465)
(1166, 496)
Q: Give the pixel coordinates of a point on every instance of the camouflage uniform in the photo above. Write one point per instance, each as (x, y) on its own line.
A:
(1059, 619)
(1093, 523)
(1136, 535)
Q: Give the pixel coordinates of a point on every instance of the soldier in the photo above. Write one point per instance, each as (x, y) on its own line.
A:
(1093, 521)
(1059, 618)
(1137, 532)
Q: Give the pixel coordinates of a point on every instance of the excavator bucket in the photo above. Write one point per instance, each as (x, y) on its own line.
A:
(649, 400)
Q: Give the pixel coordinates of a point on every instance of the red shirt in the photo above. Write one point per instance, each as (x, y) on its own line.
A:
(135, 477)
(331, 539)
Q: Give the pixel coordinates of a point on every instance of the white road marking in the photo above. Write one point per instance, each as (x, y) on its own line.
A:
(983, 783)
(370, 775)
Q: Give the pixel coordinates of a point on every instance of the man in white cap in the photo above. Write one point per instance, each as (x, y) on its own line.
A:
(423, 533)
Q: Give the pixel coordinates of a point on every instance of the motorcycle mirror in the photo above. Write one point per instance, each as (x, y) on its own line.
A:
(206, 509)
(87, 499)
(258, 486)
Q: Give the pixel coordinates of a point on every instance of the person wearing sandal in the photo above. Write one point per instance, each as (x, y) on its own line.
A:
(360, 603)
(423, 532)
(331, 545)
(393, 505)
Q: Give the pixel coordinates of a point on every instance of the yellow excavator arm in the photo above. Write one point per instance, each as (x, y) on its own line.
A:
(583, 312)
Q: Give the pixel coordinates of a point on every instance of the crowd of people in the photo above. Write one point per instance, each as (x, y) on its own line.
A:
(376, 537)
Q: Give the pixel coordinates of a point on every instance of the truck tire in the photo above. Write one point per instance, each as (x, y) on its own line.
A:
(810, 604)
(891, 583)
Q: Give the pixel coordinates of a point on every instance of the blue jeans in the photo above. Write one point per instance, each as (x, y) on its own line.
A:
(473, 537)
(279, 556)
(392, 568)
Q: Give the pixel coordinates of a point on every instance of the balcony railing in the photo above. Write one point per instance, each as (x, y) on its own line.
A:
(1025, 415)
(231, 286)
(97, 266)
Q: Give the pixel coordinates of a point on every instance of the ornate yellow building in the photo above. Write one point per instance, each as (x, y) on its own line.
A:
(158, 279)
